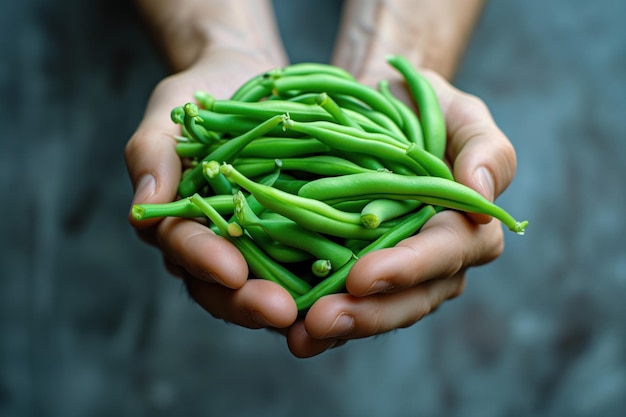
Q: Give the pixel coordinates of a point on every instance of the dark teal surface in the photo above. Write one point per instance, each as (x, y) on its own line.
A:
(91, 324)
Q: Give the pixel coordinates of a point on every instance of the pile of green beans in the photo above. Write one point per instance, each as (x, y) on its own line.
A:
(305, 170)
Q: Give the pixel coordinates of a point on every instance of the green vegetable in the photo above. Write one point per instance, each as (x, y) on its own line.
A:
(336, 282)
(315, 170)
(432, 120)
(259, 264)
(334, 85)
(429, 190)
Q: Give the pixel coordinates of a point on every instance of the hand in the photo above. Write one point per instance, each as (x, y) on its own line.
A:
(396, 287)
(213, 269)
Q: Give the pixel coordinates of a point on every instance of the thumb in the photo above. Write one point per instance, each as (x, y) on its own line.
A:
(483, 159)
(480, 154)
(151, 159)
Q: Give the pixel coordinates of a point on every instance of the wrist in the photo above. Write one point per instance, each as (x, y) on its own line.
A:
(190, 30)
(432, 34)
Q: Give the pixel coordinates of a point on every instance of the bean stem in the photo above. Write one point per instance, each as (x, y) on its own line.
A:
(223, 204)
(260, 265)
(329, 84)
(430, 114)
(191, 182)
(289, 233)
(309, 213)
(428, 190)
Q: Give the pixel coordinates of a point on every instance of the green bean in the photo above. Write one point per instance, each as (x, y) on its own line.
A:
(329, 84)
(327, 165)
(268, 108)
(304, 98)
(430, 114)
(356, 245)
(217, 181)
(336, 281)
(313, 68)
(252, 90)
(197, 132)
(245, 88)
(380, 210)
(428, 190)
(354, 109)
(269, 180)
(223, 204)
(350, 205)
(232, 124)
(321, 268)
(411, 123)
(204, 99)
(191, 149)
(330, 106)
(177, 115)
(260, 265)
(429, 164)
(191, 182)
(276, 250)
(254, 167)
(350, 143)
(291, 234)
(255, 93)
(360, 133)
(361, 159)
(436, 167)
(274, 199)
(270, 147)
(289, 184)
(309, 213)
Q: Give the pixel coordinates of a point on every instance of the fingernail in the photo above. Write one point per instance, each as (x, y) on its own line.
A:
(484, 180)
(208, 276)
(343, 324)
(259, 319)
(379, 286)
(145, 187)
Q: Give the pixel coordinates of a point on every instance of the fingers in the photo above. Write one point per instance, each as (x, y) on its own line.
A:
(259, 303)
(194, 248)
(151, 159)
(447, 244)
(343, 316)
(302, 345)
(481, 155)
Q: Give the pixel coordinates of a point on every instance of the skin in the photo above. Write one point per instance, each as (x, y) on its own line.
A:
(227, 42)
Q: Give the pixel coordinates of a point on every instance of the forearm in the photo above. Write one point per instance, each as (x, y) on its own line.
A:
(432, 34)
(188, 29)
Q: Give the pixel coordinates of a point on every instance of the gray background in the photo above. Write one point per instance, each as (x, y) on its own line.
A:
(91, 325)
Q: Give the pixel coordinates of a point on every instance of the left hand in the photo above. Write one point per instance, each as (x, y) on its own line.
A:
(396, 287)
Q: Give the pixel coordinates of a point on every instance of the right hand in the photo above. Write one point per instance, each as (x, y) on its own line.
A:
(214, 271)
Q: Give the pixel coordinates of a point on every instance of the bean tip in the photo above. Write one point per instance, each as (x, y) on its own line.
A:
(205, 99)
(177, 115)
(520, 227)
(191, 109)
(226, 169)
(286, 121)
(138, 212)
(234, 229)
(211, 168)
(370, 221)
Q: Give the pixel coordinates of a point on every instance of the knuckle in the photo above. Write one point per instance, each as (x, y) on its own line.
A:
(459, 288)
(492, 244)
(496, 246)
(475, 102)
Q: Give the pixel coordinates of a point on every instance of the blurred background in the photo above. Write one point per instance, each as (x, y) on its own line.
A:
(91, 325)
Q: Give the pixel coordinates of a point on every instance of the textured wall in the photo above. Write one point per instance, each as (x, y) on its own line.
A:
(91, 325)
